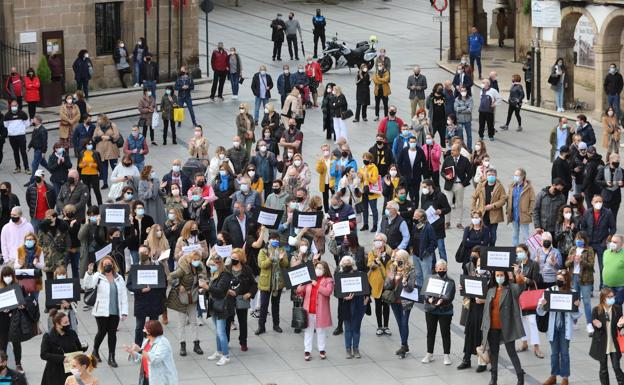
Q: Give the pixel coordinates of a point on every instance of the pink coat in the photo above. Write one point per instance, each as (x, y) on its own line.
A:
(436, 151)
(324, 293)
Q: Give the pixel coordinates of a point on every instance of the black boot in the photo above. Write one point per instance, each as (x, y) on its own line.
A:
(96, 354)
(337, 331)
(520, 377)
(111, 360)
(493, 377)
(464, 365)
(183, 349)
(196, 348)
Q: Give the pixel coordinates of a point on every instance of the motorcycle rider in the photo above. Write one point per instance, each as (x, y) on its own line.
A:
(318, 23)
(292, 26)
(277, 36)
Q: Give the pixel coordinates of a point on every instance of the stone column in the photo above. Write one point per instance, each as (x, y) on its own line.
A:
(604, 55)
(549, 54)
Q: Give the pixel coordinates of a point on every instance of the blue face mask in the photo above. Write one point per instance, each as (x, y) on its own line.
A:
(275, 243)
(213, 269)
(128, 196)
(412, 145)
(491, 179)
(196, 198)
(93, 219)
(579, 243)
(429, 141)
(516, 179)
(521, 256)
(196, 263)
(500, 280)
(89, 147)
(140, 212)
(29, 243)
(168, 92)
(611, 301)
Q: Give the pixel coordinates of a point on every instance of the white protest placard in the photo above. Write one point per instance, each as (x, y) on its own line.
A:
(104, 251)
(164, 255)
(223, 251)
(431, 214)
(341, 228)
(545, 14)
(266, 218)
(498, 259)
(299, 276)
(561, 302)
(435, 286)
(412, 296)
(25, 272)
(8, 299)
(473, 287)
(202, 302)
(147, 277)
(62, 291)
(190, 248)
(114, 215)
(351, 284)
(307, 220)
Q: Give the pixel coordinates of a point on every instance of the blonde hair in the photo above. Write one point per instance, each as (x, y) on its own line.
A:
(101, 264)
(155, 244)
(186, 230)
(242, 257)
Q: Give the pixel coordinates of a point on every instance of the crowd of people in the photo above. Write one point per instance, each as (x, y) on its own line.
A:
(198, 222)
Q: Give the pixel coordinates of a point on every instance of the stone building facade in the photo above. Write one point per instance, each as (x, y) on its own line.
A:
(71, 25)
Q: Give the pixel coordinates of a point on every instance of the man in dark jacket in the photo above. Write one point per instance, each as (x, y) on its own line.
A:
(177, 176)
(284, 83)
(613, 85)
(265, 163)
(277, 36)
(382, 154)
(577, 166)
(75, 193)
(547, 204)
(594, 163)
(261, 86)
(318, 22)
(40, 197)
(235, 223)
(237, 155)
(219, 63)
(610, 179)
(434, 198)
(339, 212)
(456, 172)
(83, 130)
(460, 80)
(184, 85)
(599, 225)
(585, 130)
(149, 74)
(39, 143)
(561, 170)
(411, 164)
(10, 376)
(423, 244)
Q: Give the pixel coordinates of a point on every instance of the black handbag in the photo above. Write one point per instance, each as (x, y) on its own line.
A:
(553, 79)
(299, 316)
(542, 322)
(90, 295)
(142, 123)
(346, 114)
(120, 141)
(241, 80)
(459, 254)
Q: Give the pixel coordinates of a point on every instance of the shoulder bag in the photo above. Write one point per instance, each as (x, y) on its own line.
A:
(90, 295)
(528, 299)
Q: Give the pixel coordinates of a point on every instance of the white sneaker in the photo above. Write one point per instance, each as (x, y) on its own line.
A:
(427, 358)
(447, 359)
(223, 360)
(135, 85)
(215, 356)
(234, 97)
(589, 328)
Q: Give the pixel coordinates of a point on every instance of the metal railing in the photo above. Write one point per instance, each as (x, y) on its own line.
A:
(13, 56)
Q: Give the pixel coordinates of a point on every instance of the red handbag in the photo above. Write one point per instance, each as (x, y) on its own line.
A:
(529, 298)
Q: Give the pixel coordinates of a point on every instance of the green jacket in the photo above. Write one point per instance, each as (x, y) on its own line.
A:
(267, 269)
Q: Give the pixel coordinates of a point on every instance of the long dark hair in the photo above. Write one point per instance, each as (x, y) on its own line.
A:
(492, 283)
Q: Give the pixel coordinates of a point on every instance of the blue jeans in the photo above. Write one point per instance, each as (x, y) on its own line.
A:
(104, 171)
(35, 224)
(74, 259)
(423, 269)
(57, 188)
(559, 95)
(352, 328)
(475, 56)
(135, 256)
(38, 159)
(493, 228)
(517, 229)
(619, 294)
(137, 72)
(150, 85)
(402, 317)
(467, 126)
(373, 207)
(222, 341)
(83, 84)
(234, 78)
(585, 291)
(182, 100)
(560, 353)
(140, 165)
(259, 101)
(442, 248)
(599, 249)
(614, 101)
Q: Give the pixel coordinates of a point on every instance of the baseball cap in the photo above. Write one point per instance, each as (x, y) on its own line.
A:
(39, 172)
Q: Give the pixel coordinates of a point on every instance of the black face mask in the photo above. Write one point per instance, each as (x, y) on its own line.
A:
(4, 192)
(144, 334)
(366, 162)
(345, 154)
(38, 179)
(235, 262)
(474, 258)
(70, 215)
(219, 242)
(201, 183)
(547, 244)
(108, 268)
(347, 269)
(194, 233)
(71, 180)
(392, 113)
(400, 264)
(15, 219)
(299, 199)
(380, 143)
(66, 328)
(442, 274)
(277, 190)
(615, 164)
(127, 164)
(560, 283)
(292, 127)
(148, 59)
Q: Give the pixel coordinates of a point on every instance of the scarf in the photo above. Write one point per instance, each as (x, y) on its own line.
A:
(30, 256)
(616, 178)
(223, 186)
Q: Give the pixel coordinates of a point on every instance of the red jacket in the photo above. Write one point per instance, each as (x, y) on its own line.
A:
(32, 89)
(314, 69)
(13, 86)
(219, 60)
(381, 129)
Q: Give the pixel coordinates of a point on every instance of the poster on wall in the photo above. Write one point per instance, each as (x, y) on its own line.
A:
(585, 37)
(545, 14)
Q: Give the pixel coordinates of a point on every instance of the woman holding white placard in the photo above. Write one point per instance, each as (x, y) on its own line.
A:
(439, 310)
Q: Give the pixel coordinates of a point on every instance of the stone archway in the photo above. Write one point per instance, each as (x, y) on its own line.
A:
(607, 50)
(562, 46)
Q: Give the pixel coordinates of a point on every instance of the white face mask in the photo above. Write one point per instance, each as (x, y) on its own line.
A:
(464, 93)
(421, 116)
(613, 246)
(303, 249)
(378, 244)
(236, 144)
(393, 173)
(263, 148)
(567, 216)
(60, 276)
(319, 272)
(476, 221)
(424, 191)
(325, 153)
(597, 205)
(75, 372)
(251, 173)
(7, 280)
(221, 156)
(266, 110)
(477, 147)
(297, 163)
(175, 193)
(610, 113)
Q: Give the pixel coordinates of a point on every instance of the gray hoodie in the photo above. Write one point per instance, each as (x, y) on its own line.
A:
(292, 26)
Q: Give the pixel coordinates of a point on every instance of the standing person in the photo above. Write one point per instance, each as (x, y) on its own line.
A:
(184, 295)
(559, 332)
(149, 73)
(362, 93)
(501, 24)
(608, 323)
(580, 261)
(291, 28)
(548, 202)
(138, 54)
(401, 278)
(439, 310)
(60, 340)
(54, 241)
(337, 107)
(433, 155)
(111, 304)
(271, 260)
(13, 232)
(136, 147)
(382, 154)
(433, 197)
(490, 98)
(456, 169)
(235, 72)
(315, 78)
(411, 163)
(40, 197)
(155, 356)
(83, 70)
(277, 36)
(106, 137)
(147, 107)
(463, 109)
(15, 121)
(8, 200)
(520, 206)
(316, 296)
(379, 262)
(120, 56)
(351, 311)
(168, 102)
(501, 319)
(265, 163)
(395, 227)
(14, 87)
(391, 126)
(326, 182)
(151, 192)
(184, 85)
(611, 180)
(423, 243)
(613, 85)
(327, 118)
(516, 96)
(460, 80)
(416, 84)
(475, 44)
(39, 144)
(318, 24)
(381, 80)
(437, 113)
(490, 198)
(527, 68)
(221, 306)
(261, 85)
(69, 116)
(285, 83)
(369, 177)
(92, 236)
(90, 167)
(599, 224)
(244, 127)
(245, 288)
(612, 271)
(219, 62)
(83, 130)
(32, 97)
(559, 82)
(611, 131)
